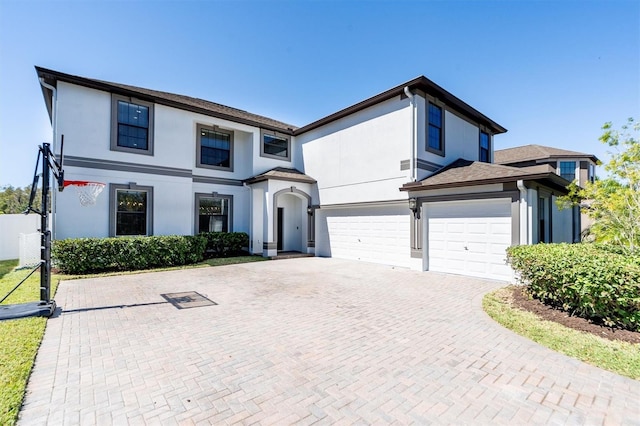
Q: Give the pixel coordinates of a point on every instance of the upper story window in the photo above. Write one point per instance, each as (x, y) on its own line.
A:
(485, 147)
(131, 210)
(215, 148)
(435, 140)
(213, 213)
(131, 125)
(568, 170)
(275, 145)
(592, 173)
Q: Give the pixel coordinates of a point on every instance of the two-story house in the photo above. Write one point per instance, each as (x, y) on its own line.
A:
(403, 178)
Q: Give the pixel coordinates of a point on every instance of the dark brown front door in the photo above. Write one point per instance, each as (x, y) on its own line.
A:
(280, 226)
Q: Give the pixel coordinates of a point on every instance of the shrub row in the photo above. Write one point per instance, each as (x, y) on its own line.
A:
(93, 255)
(223, 244)
(586, 280)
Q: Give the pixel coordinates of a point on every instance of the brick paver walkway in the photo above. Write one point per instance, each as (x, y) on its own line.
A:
(304, 341)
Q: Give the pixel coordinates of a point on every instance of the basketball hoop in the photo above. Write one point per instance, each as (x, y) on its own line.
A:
(87, 191)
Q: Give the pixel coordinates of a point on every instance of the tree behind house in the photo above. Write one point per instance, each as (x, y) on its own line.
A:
(614, 202)
(16, 200)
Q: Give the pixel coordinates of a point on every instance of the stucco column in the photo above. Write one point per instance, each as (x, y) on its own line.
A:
(270, 246)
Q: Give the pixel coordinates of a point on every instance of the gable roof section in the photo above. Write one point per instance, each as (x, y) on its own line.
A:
(420, 83)
(282, 173)
(536, 152)
(188, 103)
(470, 173)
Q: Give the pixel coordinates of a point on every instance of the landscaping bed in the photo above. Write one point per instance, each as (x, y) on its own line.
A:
(521, 300)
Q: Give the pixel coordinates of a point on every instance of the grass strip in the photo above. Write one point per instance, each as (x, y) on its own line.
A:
(618, 357)
(19, 339)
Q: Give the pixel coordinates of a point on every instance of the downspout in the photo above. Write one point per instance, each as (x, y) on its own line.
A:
(54, 126)
(524, 219)
(414, 136)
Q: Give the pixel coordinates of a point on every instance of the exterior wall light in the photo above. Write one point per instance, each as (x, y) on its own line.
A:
(413, 206)
(310, 211)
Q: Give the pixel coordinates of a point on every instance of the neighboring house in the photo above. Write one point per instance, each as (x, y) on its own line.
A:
(403, 178)
(571, 165)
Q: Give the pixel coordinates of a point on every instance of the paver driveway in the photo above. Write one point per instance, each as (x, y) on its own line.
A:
(304, 341)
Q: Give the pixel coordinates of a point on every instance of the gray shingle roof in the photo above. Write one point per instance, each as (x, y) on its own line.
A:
(468, 173)
(419, 84)
(282, 173)
(171, 99)
(536, 152)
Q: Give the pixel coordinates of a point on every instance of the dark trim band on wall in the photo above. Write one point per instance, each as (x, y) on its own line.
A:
(217, 180)
(270, 246)
(364, 204)
(122, 166)
(514, 195)
(421, 164)
(147, 169)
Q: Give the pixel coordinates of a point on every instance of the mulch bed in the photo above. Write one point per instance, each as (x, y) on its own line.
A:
(521, 300)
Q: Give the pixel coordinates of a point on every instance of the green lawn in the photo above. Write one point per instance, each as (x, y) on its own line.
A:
(616, 356)
(233, 260)
(20, 339)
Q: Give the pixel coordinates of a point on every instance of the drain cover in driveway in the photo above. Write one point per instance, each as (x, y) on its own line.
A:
(187, 299)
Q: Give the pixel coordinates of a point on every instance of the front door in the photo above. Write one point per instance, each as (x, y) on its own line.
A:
(280, 227)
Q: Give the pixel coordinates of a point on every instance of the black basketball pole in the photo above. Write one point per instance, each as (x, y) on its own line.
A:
(45, 238)
(45, 307)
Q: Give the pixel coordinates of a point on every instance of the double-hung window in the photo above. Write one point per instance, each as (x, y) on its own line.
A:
(213, 213)
(131, 209)
(215, 148)
(131, 125)
(435, 140)
(275, 145)
(485, 147)
(568, 170)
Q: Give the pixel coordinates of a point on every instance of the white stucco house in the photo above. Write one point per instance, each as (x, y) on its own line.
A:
(406, 177)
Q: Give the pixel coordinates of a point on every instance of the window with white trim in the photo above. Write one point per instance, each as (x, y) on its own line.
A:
(131, 210)
(131, 125)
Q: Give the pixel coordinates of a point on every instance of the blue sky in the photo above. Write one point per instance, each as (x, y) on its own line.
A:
(551, 72)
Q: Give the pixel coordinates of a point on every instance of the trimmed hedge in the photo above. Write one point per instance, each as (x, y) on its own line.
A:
(223, 244)
(93, 255)
(587, 280)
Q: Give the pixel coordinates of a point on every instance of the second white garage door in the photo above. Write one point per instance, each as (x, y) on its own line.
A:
(469, 237)
(372, 234)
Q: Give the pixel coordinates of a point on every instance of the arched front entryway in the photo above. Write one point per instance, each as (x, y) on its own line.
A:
(293, 221)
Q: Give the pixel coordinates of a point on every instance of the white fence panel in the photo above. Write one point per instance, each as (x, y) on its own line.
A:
(30, 249)
(11, 226)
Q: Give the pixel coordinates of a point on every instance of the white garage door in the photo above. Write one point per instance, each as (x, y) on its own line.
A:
(370, 234)
(469, 237)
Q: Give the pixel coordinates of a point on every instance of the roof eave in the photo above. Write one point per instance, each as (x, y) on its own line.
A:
(550, 179)
(572, 156)
(104, 86)
(263, 178)
(421, 83)
(46, 93)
